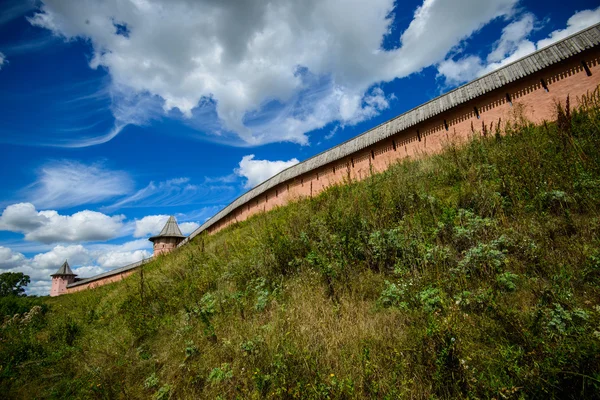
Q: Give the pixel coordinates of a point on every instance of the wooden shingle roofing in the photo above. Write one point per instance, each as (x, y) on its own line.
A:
(171, 229)
(64, 269)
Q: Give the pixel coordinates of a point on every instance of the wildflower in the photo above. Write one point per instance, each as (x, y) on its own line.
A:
(332, 375)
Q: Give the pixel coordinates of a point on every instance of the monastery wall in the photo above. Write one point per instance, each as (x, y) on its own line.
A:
(531, 87)
(536, 95)
(101, 281)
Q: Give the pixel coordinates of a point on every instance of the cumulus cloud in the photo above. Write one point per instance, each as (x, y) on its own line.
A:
(514, 43)
(50, 227)
(9, 258)
(258, 171)
(150, 225)
(69, 183)
(115, 259)
(188, 227)
(75, 254)
(256, 72)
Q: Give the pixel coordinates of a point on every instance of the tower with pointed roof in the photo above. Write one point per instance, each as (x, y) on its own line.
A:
(168, 238)
(60, 279)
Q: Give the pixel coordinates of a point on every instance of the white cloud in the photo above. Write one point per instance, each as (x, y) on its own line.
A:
(463, 70)
(256, 72)
(9, 258)
(70, 183)
(258, 171)
(150, 225)
(113, 259)
(75, 254)
(512, 36)
(512, 45)
(50, 227)
(188, 227)
(2, 60)
(578, 21)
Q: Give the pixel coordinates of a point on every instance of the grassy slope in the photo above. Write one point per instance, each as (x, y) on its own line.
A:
(473, 273)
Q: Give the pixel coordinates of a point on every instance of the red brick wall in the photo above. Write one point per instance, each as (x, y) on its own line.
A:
(163, 245)
(567, 78)
(101, 282)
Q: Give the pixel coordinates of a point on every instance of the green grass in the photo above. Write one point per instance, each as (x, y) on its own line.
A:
(474, 273)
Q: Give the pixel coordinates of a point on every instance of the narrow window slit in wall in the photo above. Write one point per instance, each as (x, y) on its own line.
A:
(317, 176)
(586, 68)
(352, 161)
(372, 154)
(302, 181)
(476, 112)
(419, 135)
(446, 125)
(509, 99)
(544, 85)
(394, 144)
(334, 169)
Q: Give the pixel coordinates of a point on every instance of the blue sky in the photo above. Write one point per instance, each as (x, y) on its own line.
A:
(116, 114)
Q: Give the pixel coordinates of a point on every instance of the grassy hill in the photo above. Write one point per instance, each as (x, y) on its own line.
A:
(472, 273)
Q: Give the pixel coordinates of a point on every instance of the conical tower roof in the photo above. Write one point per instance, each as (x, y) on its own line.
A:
(171, 229)
(64, 270)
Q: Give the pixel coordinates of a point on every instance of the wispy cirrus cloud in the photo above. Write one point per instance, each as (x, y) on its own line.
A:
(174, 192)
(67, 183)
(13, 9)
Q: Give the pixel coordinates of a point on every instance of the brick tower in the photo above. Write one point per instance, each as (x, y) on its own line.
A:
(60, 279)
(168, 238)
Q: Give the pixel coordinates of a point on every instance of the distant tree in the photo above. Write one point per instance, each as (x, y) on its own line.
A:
(13, 284)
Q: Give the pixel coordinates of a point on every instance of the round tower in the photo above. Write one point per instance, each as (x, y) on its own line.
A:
(60, 279)
(168, 238)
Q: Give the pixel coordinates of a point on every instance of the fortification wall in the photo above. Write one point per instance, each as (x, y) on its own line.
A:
(101, 281)
(533, 85)
(535, 95)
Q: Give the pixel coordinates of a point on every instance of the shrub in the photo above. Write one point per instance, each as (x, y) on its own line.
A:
(392, 296)
(507, 281)
(431, 299)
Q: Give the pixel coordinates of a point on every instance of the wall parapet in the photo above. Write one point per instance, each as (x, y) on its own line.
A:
(524, 67)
